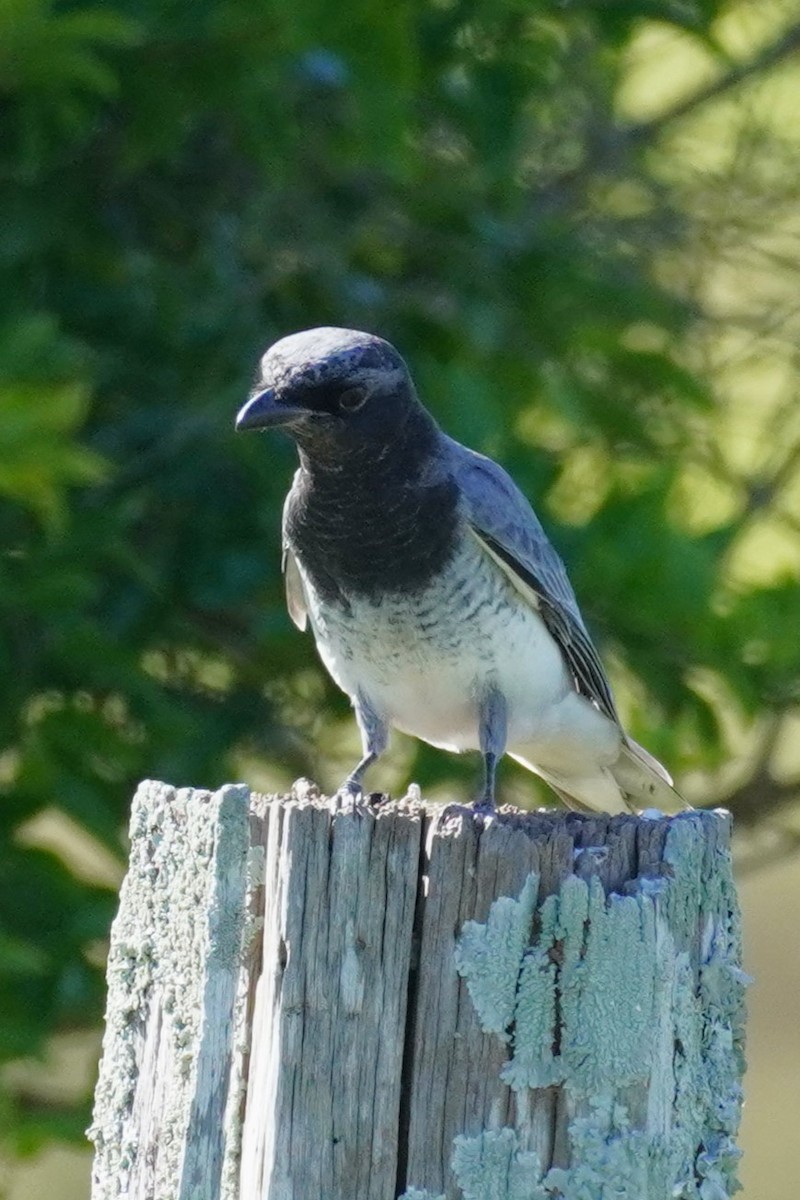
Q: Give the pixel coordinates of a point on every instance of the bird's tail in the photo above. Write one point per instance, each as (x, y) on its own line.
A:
(644, 781)
(634, 782)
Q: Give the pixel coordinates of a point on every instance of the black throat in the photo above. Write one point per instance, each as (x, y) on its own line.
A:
(377, 520)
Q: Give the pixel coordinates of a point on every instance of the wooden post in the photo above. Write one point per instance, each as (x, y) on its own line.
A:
(359, 1007)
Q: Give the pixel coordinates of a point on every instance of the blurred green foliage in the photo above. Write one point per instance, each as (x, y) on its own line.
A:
(181, 185)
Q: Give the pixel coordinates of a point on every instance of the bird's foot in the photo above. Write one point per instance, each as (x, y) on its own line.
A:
(351, 798)
(482, 811)
(305, 789)
(348, 798)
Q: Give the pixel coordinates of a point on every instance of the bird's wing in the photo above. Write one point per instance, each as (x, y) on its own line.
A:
(509, 531)
(293, 580)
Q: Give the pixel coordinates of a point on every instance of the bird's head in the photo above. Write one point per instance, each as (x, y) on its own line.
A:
(332, 389)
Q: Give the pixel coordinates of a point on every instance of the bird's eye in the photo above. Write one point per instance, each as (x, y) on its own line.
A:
(352, 399)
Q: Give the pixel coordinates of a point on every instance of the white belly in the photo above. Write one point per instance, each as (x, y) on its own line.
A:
(424, 662)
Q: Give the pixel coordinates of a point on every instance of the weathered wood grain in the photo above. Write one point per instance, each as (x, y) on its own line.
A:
(173, 971)
(361, 1006)
(323, 1088)
(574, 1057)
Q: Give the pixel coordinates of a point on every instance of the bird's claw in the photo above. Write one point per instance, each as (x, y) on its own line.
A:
(481, 812)
(350, 798)
(347, 799)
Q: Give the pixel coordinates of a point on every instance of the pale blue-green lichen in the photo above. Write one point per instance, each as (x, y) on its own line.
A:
(492, 1167)
(617, 1000)
(607, 986)
(536, 1009)
(589, 980)
(489, 956)
(415, 1194)
(611, 1160)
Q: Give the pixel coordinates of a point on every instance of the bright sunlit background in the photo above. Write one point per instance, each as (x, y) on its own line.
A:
(580, 223)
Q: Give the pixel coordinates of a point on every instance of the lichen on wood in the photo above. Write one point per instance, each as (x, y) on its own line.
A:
(173, 972)
(631, 1004)
(308, 1002)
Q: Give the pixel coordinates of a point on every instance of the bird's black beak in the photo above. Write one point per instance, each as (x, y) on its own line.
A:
(263, 411)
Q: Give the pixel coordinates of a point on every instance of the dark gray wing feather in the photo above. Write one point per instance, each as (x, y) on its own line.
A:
(504, 521)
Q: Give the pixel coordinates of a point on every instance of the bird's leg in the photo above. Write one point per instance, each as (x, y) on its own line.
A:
(486, 800)
(374, 739)
(352, 783)
(492, 731)
(492, 725)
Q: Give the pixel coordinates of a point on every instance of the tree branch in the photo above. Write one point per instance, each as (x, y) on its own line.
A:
(761, 796)
(782, 48)
(606, 145)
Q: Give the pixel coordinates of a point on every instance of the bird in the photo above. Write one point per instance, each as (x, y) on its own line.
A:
(435, 598)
